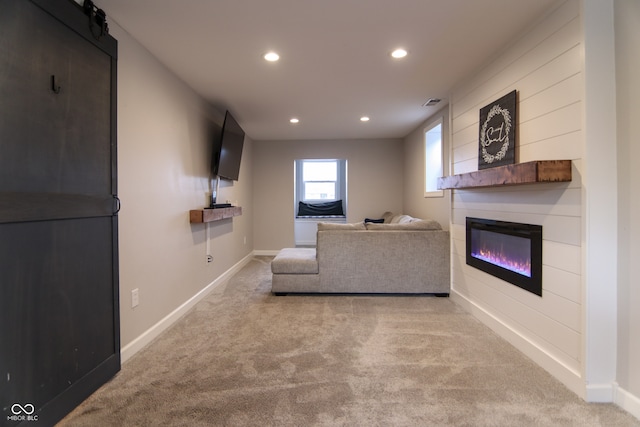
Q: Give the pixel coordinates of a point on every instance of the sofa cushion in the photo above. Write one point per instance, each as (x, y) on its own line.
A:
(411, 226)
(339, 226)
(295, 261)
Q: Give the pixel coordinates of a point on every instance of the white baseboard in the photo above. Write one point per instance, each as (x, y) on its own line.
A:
(627, 401)
(599, 393)
(153, 332)
(569, 377)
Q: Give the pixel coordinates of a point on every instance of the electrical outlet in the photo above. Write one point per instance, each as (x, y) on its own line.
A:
(135, 298)
(209, 258)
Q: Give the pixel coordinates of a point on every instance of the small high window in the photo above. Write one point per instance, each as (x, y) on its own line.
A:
(433, 160)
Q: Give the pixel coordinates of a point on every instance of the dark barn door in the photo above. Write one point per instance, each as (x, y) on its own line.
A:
(59, 315)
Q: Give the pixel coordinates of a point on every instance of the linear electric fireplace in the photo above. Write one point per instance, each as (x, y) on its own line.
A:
(508, 250)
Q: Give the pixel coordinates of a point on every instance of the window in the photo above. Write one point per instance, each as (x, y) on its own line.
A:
(433, 161)
(321, 180)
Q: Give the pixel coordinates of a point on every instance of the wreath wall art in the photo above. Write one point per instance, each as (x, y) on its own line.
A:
(497, 133)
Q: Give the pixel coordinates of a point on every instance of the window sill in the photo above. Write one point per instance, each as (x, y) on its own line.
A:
(433, 194)
(322, 216)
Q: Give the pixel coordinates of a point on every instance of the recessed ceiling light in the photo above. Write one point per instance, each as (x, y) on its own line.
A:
(399, 53)
(271, 56)
(294, 120)
(364, 119)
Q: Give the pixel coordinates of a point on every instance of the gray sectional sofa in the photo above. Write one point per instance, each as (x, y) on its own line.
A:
(403, 255)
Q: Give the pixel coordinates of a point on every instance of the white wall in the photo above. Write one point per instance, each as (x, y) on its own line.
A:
(627, 23)
(600, 200)
(164, 151)
(545, 67)
(414, 202)
(374, 183)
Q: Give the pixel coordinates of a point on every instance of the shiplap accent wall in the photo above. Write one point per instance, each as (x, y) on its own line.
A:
(544, 65)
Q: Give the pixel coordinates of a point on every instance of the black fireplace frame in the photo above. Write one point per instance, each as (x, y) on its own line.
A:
(532, 232)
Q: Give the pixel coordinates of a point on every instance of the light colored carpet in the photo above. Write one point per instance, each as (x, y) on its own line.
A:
(244, 357)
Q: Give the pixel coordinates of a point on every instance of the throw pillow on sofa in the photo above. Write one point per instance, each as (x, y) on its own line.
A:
(391, 218)
(387, 217)
(401, 219)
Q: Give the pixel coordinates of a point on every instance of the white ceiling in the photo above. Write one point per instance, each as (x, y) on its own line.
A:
(335, 65)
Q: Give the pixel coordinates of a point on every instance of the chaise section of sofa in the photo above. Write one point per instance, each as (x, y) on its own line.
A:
(295, 270)
(409, 258)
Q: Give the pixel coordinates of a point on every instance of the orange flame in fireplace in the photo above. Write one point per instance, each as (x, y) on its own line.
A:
(503, 260)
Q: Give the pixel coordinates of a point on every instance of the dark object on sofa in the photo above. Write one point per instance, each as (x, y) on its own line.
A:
(320, 209)
(374, 221)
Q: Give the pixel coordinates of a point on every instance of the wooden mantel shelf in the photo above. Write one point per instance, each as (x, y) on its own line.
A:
(210, 215)
(521, 173)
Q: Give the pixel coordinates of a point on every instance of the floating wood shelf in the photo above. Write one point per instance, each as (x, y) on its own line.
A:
(210, 215)
(521, 173)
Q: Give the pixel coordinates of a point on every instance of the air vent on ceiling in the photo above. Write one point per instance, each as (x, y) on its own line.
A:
(431, 102)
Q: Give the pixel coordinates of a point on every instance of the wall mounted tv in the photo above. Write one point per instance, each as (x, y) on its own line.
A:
(226, 158)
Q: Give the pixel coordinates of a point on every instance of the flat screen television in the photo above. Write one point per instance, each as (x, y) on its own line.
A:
(226, 160)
